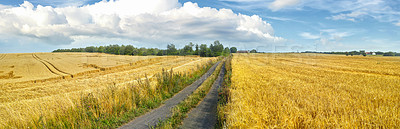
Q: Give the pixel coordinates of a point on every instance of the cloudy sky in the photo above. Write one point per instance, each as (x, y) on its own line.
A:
(265, 25)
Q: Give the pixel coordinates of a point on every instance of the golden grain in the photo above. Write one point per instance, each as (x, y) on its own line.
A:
(314, 91)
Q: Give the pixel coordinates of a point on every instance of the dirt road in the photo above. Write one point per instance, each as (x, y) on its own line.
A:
(151, 118)
(204, 116)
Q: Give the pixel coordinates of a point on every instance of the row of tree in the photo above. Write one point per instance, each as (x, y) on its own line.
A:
(361, 52)
(213, 50)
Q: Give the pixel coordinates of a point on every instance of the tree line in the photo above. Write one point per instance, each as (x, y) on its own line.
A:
(203, 50)
(361, 52)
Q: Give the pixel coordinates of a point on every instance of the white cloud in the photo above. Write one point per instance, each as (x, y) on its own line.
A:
(397, 24)
(352, 10)
(333, 34)
(4, 6)
(349, 16)
(307, 35)
(279, 4)
(152, 21)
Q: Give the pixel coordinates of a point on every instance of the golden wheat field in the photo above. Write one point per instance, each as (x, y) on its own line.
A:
(314, 91)
(40, 84)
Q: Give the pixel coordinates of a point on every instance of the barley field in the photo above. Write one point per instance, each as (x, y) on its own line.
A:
(314, 91)
(33, 85)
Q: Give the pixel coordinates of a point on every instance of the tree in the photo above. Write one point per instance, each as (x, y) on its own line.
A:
(233, 49)
(188, 49)
(160, 53)
(151, 51)
(216, 48)
(196, 52)
(100, 49)
(203, 50)
(171, 50)
(253, 51)
(129, 50)
(90, 49)
(389, 54)
(226, 52)
(121, 50)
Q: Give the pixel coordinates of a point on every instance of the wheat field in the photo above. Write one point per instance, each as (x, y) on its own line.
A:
(314, 91)
(42, 84)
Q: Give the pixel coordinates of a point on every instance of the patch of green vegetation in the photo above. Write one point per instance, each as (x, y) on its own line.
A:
(184, 107)
(223, 94)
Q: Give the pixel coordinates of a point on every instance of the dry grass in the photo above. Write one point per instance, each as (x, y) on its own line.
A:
(314, 91)
(22, 100)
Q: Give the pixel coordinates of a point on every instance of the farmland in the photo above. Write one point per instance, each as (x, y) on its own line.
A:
(35, 85)
(313, 91)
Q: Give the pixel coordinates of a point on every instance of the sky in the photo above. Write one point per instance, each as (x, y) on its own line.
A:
(264, 25)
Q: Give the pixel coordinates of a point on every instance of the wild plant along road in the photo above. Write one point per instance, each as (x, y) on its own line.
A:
(150, 119)
(204, 115)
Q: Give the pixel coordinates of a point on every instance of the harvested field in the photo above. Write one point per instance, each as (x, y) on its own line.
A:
(314, 91)
(43, 83)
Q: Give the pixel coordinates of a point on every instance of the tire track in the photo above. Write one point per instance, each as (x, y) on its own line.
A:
(2, 56)
(54, 66)
(161, 113)
(48, 68)
(204, 116)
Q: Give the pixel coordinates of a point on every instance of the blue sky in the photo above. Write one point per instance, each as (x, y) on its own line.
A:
(265, 25)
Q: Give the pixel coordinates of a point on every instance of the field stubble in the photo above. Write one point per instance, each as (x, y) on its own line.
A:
(23, 100)
(313, 91)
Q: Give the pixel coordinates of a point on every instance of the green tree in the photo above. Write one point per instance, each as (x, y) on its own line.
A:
(196, 52)
(188, 49)
(203, 50)
(100, 49)
(216, 48)
(253, 51)
(171, 50)
(233, 49)
(226, 52)
(129, 50)
(90, 49)
(389, 54)
(160, 53)
(121, 50)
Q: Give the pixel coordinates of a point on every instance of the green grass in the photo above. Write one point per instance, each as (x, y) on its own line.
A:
(184, 107)
(223, 94)
(114, 106)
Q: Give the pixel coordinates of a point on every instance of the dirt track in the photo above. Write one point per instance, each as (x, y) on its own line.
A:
(204, 116)
(150, 119)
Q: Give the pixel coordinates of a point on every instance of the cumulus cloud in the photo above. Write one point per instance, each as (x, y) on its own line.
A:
(279, 4)
(153, 21)
(4, 6)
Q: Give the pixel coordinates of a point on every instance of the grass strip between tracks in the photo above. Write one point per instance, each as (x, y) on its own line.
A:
(182, 109)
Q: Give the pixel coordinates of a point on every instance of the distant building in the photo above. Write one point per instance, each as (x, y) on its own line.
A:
(242, 52)
(373, 53)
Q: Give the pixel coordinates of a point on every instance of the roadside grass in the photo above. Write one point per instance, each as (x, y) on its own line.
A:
(223, 94)
(114, 106)
(183, 108)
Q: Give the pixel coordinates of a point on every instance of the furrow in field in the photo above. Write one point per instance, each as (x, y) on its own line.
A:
(53, 66)
(47, 66)
(2, 56)
(91, 82)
